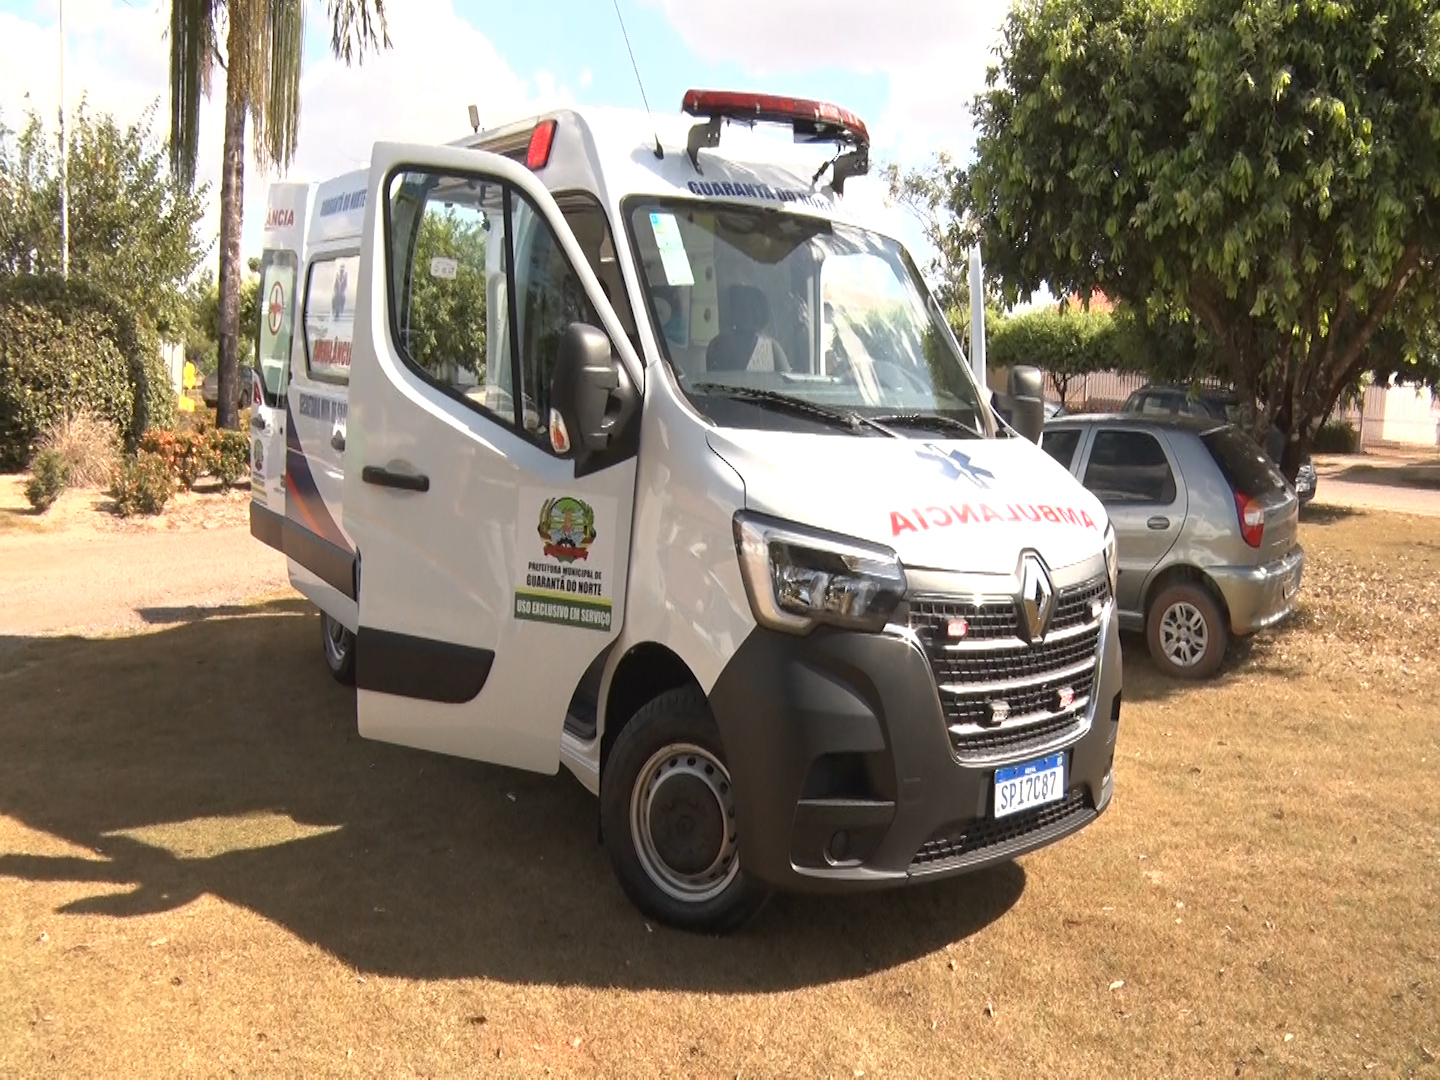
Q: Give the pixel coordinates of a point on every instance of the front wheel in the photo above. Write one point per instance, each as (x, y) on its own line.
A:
(1186, 631)
(339, 647)
(667, 812)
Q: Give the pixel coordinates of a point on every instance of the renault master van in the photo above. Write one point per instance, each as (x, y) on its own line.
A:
(632, 448)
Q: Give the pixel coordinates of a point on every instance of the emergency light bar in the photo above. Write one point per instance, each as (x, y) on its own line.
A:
(811, 121)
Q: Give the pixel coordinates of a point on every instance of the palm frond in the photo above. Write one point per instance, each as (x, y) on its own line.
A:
(275, 102)
(192, 39)
(357, 26)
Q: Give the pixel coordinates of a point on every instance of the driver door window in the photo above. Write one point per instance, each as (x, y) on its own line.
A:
(481, 294)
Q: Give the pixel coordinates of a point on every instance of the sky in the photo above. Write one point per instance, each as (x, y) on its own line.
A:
(908, 68)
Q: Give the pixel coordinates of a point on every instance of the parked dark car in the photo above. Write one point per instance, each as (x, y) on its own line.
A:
(210, 388)
(1205, 525)
(1222, 406)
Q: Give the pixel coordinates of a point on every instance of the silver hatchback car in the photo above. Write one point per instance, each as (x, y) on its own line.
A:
(1206, 528)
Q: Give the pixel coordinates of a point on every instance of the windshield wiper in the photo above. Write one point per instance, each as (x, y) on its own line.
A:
(851, 421)
(933, 421)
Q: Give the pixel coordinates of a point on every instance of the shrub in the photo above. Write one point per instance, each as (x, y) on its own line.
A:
(165, 447)
(67, 347)
(230, 456)
(87, 445)
(142, 485)
(193, 457)
(51, 477)
(1336, 437)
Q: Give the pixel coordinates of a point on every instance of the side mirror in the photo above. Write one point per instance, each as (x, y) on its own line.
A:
(1027, 402)
(591, 396)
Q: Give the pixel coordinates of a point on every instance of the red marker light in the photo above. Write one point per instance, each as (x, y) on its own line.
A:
(537, 156)
(1067, 697)
(255, 385)
(958, 628)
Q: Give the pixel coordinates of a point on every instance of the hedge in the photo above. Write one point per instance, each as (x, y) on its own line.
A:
(67, 346)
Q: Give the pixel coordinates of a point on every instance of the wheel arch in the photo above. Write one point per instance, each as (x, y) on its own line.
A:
(646, 671)
(1182, 572)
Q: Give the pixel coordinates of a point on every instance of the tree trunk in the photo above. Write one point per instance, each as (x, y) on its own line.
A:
(232, 203)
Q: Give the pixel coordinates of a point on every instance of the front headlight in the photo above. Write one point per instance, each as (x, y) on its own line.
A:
(1112, 559)
(797, 577)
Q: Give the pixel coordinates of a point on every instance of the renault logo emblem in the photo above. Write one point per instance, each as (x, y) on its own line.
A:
(1037, 598)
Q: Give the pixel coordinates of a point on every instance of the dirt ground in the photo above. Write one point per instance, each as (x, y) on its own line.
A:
(79, 569)
(203, 869)
(1403, 479)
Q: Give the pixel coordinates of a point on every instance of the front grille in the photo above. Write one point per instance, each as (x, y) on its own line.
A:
(1001, 695)
(972, 841)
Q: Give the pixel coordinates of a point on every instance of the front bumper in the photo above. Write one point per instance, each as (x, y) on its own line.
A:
(844, 774)
(1260, 596)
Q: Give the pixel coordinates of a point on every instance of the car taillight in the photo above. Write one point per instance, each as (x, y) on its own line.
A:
(255, 385)
(1252, 519)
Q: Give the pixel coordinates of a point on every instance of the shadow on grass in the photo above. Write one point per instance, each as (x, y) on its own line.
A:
(171, 756)
(1325, 514)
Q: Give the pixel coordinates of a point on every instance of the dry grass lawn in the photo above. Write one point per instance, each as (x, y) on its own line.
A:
(204, 870)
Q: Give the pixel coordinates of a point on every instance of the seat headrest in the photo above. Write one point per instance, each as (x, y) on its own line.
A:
(747, 312)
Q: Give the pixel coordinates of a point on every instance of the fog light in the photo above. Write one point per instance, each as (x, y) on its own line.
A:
(839, 849)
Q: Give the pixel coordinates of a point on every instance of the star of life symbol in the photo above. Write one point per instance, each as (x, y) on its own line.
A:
(956, 465)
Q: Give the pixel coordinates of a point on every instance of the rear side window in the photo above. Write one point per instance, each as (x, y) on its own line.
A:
(330, 316)
(1060, 444)
(1129, 467)
(277, 320)
(1245, 466)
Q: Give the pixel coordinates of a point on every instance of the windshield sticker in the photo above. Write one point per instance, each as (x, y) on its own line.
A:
(955, 465)
(568, 560)
(672, 249)
(943, 517)
(728, 190)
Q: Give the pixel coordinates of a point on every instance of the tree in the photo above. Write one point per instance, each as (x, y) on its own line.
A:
(133, 227)
(264, 41)
(447, 318)
(1065, 344)
(1269, 167)
(929, 195)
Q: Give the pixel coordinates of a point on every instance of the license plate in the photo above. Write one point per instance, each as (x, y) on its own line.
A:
(1034, 783)
(1292, 584)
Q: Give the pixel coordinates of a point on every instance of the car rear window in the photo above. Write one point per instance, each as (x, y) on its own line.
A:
(1243, 463)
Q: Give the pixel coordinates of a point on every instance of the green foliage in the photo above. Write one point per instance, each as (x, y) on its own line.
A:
(51, 476)
(1336, 437)
(447, 316)
(134, 231)
(202, 320)
(1065, 344)
(229, 456)
(67, 347)
(143, 485)
(1268, 167)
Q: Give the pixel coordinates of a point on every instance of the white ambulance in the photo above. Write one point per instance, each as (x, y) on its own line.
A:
(633, 449)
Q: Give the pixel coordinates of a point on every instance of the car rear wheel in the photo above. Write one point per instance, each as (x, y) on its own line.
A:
(339, 647)
(667, 814)
(1186, 631)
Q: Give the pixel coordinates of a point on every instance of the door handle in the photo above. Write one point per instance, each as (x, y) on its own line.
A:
(337, 442)
(1159, 524)
(382, 477)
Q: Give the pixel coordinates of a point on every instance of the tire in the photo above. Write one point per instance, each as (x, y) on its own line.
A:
(338, 646)
(667, 772)
(1186, 631)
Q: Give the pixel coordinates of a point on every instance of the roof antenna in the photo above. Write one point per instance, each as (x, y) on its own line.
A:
(659, 150)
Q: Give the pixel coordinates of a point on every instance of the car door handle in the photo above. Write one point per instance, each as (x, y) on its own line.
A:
(381, 477)
(1159, 524)
(337, 442)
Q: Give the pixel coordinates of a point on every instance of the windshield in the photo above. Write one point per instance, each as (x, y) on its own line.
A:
(753, 305)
